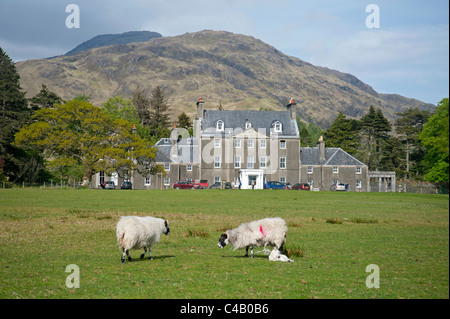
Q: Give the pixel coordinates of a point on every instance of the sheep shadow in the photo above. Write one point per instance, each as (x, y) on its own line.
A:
(145, 259)
(243, 257)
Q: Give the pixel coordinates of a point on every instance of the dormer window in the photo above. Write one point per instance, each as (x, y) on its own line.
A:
(278, 127)
(219, 125)
(248, 125)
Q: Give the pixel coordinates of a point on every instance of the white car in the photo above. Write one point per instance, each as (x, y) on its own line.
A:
(338, 187)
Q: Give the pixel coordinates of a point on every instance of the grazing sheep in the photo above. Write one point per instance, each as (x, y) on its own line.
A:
(275, 255)
(135, 232)
(264, 232)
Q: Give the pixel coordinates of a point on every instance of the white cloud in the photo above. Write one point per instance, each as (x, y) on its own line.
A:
(413, 55)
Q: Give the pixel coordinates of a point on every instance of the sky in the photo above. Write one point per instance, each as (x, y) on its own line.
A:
(395, 46)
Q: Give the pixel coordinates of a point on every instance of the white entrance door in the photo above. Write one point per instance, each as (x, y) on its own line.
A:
(252, 176)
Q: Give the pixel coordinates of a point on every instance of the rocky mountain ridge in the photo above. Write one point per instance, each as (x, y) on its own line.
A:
(236, 71)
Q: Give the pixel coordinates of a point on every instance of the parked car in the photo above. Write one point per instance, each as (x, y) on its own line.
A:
(109, 185)
(287, 185)
(186, 185)
(301, 186)
(338, 187)
(203, 183)
(275, 185)
(126, 185)
(216, 185)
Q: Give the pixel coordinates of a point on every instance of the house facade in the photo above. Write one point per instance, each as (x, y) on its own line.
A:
(247, 149)
(323, 167)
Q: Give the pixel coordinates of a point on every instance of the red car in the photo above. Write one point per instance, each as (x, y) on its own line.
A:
(186, 185)
(301, 186)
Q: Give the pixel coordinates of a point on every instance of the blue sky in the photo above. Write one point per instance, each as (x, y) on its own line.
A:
(408, 54)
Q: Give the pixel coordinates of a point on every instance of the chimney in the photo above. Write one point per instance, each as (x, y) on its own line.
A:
(321, 149)
(292, 108)
(200, 108)
(174, 139)
(134, 129)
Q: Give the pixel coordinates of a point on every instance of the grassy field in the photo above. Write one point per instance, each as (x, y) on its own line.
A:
(332, 236)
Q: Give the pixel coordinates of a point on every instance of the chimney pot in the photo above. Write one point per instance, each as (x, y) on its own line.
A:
(292, 108)
(200, 108)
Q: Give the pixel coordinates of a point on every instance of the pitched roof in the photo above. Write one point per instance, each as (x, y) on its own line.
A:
(333, 157)
(186, 152)
(260, 120)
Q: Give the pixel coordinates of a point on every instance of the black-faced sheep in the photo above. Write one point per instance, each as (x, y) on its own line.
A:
(264, 232)
(135, 232)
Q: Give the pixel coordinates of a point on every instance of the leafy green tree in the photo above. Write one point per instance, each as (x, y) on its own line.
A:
(343, 133)
(408, 126)
(120, 108)
(305, 138)
(434, 137)
(185, 122)
(45, 98)
(79, 133)
(83, 98)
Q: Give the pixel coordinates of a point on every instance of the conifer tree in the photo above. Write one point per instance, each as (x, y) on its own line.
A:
(13, 115)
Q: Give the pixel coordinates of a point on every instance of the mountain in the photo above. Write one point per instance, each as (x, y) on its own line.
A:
(234, 70)
(109, 39)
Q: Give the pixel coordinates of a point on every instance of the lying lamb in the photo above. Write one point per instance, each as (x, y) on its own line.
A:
(275, 255)
(135, 232)
(264, 232)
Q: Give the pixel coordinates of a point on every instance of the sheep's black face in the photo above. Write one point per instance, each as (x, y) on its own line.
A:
(167, 229)
(223, 240)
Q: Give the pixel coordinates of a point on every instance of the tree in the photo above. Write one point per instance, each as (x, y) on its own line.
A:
(343, 133)
(79, 133)
(13, 115)
(305, 138)
(434, 138)
(159, 117)
(45, 98)
(408, 126)
(184, 121)
(142, 105)
(120, 108)
(375, 130)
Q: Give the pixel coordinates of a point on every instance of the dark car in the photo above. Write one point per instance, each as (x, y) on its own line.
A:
(216, 185)
(275, 185)
(301, 186)
(126, 185)
(186, 185)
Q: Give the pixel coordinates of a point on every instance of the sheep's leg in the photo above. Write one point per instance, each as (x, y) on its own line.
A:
(143, 255)
(251, 251)
(150, 253)
(125, 252)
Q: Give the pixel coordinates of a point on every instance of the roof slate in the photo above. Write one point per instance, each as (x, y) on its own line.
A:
(333, 157)
(260, 120)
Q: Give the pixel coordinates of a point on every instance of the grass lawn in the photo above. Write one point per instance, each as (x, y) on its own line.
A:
(335, 235)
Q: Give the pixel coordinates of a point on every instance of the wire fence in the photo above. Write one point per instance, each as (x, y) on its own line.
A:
(409, 186)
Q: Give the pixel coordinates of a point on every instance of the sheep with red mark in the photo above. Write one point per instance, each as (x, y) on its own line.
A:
(134, 232)
(265, 232)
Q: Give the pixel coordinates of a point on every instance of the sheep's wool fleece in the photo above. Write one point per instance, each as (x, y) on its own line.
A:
(275, 255)
(135, 232)
(271, 231)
